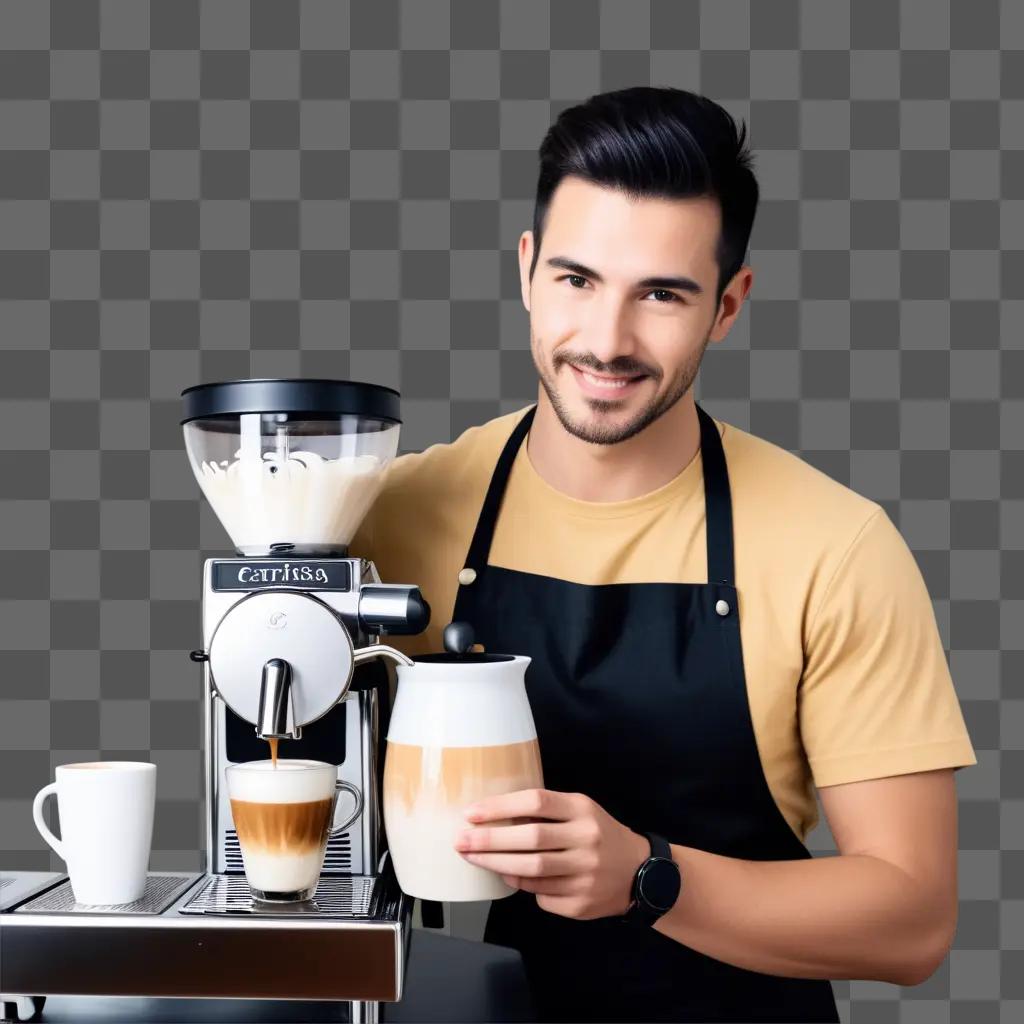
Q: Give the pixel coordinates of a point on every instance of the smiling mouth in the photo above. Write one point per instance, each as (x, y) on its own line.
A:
(592, 385)
(607, 382)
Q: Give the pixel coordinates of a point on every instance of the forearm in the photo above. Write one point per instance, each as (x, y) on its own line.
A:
(850, 916)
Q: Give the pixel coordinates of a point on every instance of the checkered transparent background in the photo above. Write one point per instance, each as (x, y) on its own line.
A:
(197, 191)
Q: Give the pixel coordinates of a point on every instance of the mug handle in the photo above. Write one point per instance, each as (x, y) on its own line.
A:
(355, 792)
(37, 816)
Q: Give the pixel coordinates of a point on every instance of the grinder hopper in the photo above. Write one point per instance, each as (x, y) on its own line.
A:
(290, 467)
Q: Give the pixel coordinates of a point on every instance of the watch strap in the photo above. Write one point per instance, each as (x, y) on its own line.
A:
(660, 846)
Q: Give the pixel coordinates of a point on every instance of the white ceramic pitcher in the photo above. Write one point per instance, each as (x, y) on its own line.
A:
(461, 729)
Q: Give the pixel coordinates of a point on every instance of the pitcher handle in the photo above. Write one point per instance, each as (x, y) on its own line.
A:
(356, 792)
(37, 816)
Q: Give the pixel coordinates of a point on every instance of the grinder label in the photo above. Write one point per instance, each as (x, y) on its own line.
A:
(268, 573)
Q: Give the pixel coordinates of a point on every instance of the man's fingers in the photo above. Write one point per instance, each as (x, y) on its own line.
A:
(528, 865)
(537, 835)
(557, 885)
(524, 803)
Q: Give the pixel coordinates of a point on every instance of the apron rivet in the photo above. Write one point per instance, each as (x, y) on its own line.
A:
(722, 607)
(467, 576)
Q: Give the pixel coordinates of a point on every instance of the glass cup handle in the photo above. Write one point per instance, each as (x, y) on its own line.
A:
(357, 794)
(37, 817)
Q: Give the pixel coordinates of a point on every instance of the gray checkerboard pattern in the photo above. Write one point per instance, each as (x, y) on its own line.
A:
(197, 191)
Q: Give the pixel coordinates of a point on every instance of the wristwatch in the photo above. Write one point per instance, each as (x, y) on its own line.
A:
(656, 884)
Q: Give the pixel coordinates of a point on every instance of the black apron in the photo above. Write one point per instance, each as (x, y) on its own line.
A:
(640, 702)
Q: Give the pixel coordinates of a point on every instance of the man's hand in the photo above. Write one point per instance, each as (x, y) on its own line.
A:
(578, 860)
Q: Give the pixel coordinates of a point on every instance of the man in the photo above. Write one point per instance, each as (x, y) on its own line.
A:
(716, 627)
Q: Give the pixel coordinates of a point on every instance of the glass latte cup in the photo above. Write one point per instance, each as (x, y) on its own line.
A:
(284, 817)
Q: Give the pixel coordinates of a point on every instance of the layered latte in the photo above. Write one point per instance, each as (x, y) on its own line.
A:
(282, 814)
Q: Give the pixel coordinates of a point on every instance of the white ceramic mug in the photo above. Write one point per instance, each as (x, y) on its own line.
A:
(105, 810)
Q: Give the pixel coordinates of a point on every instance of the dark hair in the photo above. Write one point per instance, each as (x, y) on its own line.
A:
(657, 142)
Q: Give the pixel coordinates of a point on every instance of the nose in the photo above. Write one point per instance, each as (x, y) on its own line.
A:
(609, 333)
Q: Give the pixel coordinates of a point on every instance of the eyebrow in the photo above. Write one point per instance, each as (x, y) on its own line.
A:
(686, 284)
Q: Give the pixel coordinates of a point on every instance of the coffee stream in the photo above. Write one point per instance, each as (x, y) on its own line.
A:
(273, 740)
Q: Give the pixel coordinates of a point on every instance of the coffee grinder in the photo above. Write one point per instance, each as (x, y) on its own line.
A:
(293, 631)
(292, 627)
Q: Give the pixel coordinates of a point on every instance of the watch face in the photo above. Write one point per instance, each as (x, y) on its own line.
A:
(659, 883)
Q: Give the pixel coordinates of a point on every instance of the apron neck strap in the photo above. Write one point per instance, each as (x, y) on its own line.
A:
(480, 548)
(717, 499)
(717, 503)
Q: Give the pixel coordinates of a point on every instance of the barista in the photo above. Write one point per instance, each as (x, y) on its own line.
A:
(717, 629)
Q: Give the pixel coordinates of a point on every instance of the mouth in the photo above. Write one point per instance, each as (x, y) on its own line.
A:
(600, 386)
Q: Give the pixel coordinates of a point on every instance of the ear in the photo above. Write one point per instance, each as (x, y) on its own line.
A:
(732, 302)
(525, 258)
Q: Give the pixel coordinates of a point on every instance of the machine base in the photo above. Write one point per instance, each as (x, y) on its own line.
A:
(200, 936)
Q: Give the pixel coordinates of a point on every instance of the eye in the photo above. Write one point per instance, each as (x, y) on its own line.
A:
(672, 297)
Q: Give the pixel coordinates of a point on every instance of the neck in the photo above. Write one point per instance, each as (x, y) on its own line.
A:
(613, 472)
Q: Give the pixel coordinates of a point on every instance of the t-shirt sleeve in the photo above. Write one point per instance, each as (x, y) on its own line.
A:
(876, 697)
(373, 538)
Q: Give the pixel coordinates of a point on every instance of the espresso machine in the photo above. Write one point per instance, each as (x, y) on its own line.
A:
(294, 650)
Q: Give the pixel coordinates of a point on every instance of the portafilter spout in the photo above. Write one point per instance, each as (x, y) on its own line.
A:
(277, 714)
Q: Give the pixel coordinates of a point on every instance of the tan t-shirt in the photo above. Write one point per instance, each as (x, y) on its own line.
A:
(846, 675)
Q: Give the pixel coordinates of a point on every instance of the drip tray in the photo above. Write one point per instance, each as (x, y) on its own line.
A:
(160, 892)
(347, 896)
(18, 886)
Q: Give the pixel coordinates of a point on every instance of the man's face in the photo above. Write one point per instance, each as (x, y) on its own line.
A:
(613, 354)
